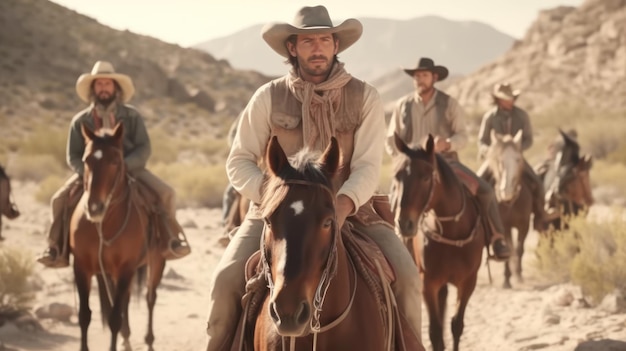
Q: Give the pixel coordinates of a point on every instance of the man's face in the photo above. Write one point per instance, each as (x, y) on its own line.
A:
(506, 104)
(104, 91)
(424, 81)
(315, 53)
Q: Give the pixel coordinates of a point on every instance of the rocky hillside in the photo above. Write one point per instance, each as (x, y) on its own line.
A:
(567, 55)
(45, 47)
(385, 46)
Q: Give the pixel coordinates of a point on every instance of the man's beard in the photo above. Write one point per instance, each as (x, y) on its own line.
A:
(315, 70)
(105, 100)
(423, 89)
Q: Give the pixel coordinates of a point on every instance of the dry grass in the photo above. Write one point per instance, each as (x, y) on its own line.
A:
(16, 269)
(590, 254)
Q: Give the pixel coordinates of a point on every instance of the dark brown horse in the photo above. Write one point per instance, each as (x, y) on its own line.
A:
(433, 202)
(109, 238)
(506, 163)
(8, 208)
(567, 181)
(317, 301)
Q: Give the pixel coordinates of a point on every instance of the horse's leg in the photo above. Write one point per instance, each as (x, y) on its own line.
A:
(464, 292)
(522, 233)
(507, 264)
(122, 293)
(435, 324)
(125, 331)
(156, 267)
(83, 285)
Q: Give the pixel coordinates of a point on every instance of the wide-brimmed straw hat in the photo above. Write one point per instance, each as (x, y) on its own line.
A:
(103, 69)
(504, 91)
(311, 20)
(427, 64)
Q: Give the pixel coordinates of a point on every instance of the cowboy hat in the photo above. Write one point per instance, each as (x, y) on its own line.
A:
(504, 91)
(103, 69)
(311, 20)
(427, 64)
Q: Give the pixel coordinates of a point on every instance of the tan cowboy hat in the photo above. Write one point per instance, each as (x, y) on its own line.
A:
(427, 64)
(311, 20)
(103, 69)
(504, 91)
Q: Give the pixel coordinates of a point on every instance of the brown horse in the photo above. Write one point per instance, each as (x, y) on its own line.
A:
(109, 238)
(8, 208)
(567, 181)
(506, 163)
(314, 302)
(432, 201)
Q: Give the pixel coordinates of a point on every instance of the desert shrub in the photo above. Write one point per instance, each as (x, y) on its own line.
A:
(45, 141)
(165, 147)
(36, 167)
(195, 184)
(590, 254)
(47, 188)
(16, 268)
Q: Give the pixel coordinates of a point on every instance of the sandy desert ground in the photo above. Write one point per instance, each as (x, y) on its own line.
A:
(531, 316)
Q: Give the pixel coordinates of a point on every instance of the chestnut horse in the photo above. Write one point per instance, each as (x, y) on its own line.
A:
(109, 238)
(433, 202)
(567, 181)
(8, 208)
(506, 163)
(314, 300)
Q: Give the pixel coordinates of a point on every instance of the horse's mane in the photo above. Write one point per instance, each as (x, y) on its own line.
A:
(304, 166)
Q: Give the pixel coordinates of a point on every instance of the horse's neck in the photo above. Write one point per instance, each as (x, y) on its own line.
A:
(450, 188)
(338, 296)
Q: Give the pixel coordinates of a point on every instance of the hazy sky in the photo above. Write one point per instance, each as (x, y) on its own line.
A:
(188, 22)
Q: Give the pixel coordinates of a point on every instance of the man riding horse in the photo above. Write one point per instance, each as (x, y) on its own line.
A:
(431, 111)
(506, 118)
(315, 101)
(107, 93)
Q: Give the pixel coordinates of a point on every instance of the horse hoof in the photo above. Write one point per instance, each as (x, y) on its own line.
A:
(507, 285)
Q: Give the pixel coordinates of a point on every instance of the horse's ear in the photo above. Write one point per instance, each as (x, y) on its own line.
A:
(118, 132)
(275, 156)
(517, 139)
(430, 144)
(87, 133)
(400, 144)
(331, 157)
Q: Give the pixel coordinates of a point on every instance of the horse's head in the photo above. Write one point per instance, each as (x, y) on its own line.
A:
(572, 181)
(300, 239)
(104, 169)
(7, 206)
(506, 162)
(416, 179)
(574, 184)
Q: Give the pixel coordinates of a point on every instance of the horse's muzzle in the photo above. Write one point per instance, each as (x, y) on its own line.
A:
(95, 211)
(292, 324)
(406, 227)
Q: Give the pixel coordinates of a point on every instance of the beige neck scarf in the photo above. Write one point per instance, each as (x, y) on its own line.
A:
(319, 104)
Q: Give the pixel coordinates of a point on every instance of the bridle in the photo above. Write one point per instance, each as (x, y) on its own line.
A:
(329, 272)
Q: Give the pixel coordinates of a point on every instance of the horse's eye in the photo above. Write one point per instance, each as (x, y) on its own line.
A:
(328, 223)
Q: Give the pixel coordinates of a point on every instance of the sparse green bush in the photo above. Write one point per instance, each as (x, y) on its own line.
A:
(196, 185)
(16, 268)
(590, 254)
(36, 167)
(46, 141)
(48, 187)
